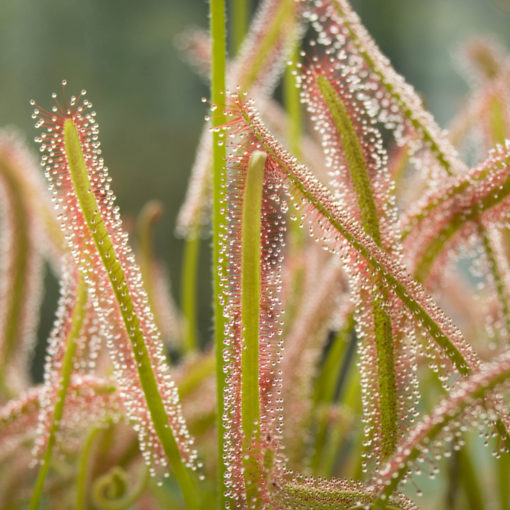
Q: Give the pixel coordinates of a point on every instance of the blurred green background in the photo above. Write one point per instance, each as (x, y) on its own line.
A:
(148, 99)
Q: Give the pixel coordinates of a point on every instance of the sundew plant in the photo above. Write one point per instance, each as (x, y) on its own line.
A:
(361, 290)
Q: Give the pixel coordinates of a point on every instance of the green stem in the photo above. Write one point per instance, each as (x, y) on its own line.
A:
(150, 214)
(104, 245)
(250, 313)
(78, 316)
(82, 478)
(326, 386)
(218, 64)
(240, 10)
(188, 290)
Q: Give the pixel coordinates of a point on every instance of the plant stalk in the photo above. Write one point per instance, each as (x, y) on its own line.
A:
(218, 65)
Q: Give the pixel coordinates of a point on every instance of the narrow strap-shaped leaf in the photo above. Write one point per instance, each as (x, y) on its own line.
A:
(89, 399)
(253, 414)
(480, 193)
(250, 312)
(394, 102)
(358, 171)
(80, 186)
(354, 158)
(21, 190)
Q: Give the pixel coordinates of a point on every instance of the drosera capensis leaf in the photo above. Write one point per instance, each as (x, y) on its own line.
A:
(354, 158)
(22, 240)
(255, 69)
(361, 157)
(253, 414)
(90, 400)
(85, 204)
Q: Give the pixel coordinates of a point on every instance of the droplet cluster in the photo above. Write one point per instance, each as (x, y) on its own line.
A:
(337, 230)
(351, 92)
